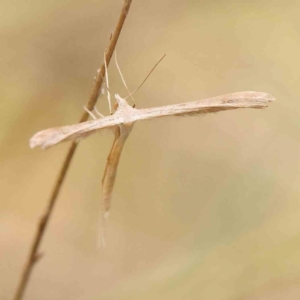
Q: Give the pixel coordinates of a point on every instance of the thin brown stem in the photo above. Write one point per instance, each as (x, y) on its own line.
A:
(34, 254)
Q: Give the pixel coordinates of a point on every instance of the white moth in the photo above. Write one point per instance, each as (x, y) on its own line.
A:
(125, 116)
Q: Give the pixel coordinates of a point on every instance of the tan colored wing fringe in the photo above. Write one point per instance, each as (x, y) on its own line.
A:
(237, 100)
(52, 136)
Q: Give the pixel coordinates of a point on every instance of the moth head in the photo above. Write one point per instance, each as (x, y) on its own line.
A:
(120, 101)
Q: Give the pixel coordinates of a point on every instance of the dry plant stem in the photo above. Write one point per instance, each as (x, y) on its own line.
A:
(34, 255)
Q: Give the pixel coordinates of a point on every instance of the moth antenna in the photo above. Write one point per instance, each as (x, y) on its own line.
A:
(107, 84)
(122, 77)
(90, 113)
(146, 76)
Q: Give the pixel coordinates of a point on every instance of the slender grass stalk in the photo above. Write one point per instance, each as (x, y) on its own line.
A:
(34, 254)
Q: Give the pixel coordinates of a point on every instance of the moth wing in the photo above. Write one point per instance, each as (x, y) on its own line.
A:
(225, 102)
(52, 136)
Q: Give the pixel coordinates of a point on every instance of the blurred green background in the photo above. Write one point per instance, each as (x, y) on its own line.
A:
(203, 208)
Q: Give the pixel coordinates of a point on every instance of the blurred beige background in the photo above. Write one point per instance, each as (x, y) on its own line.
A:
(203, 208)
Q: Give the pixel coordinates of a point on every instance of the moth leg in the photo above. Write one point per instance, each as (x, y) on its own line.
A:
(98, 113)
(90, 113)
(96, 76)
(123, 79)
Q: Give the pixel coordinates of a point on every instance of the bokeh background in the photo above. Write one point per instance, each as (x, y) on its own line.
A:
(203, 207)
